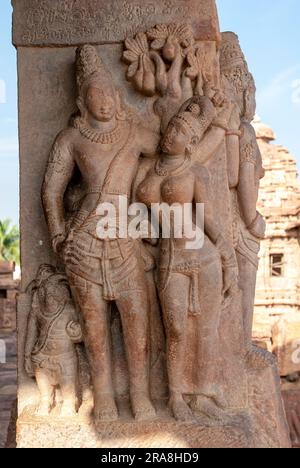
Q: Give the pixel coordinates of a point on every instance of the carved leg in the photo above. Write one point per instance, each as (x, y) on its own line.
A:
(256, 357)
(134, 307)
(175, 303)
(211, 400)
(247, 284)
(68, 386)
(94, 315)
(46, 390)
(158, 381)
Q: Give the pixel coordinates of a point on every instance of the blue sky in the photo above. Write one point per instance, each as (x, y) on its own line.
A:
(270, 36)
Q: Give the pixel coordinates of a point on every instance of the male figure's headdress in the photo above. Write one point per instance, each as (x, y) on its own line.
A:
(90, 67)
(231, 54)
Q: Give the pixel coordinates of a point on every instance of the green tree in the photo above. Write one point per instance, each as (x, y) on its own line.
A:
(9, 242)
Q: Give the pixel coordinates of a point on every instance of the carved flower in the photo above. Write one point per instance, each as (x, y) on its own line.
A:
(135, 49)
(160, 34)
(141, 70)
(198, 64)
(199, 68)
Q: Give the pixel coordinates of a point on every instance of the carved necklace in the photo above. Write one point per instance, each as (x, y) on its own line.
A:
(98, 137)
(163, 171)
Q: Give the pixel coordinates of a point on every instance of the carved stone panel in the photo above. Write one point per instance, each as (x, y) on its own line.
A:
(72, 22)
(141, 332)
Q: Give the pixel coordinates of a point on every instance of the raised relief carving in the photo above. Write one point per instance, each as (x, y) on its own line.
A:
(157, 66)
(167, 62)
(50, 353)
(148, 325)
(244, 173)
(104, 144)
(205, 276)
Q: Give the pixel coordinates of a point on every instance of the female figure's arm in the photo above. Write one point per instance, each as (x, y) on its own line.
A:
(248, 185)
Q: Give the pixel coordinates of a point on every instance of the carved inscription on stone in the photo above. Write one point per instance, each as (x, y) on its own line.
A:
(36, 22)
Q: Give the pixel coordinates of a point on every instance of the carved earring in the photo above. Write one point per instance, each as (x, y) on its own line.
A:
(189, 150)
(190, 147)
(81, 107)
(121, 114)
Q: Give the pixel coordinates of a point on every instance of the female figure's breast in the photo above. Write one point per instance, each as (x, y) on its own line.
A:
(149, 191)
(178, 189)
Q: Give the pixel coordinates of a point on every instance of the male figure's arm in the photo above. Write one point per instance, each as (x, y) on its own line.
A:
(58, 174)
(31, 336)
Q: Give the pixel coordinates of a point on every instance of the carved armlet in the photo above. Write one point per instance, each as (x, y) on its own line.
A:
(255, 229)
(248, 154)
(221, 125)
(228, 131)
(237, 133)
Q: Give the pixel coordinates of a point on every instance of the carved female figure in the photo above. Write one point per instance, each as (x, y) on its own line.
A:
(191, 281)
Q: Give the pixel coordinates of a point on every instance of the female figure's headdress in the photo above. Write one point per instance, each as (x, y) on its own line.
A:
(196, 115)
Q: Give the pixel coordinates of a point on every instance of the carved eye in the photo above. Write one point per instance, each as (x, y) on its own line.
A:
(194, 109)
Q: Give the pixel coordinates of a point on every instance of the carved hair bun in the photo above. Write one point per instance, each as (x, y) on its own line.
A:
(89, 65)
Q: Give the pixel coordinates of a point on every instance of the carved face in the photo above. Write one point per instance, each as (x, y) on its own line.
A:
(101, 103)
(55, 295)
(170, 48)
(176, 140)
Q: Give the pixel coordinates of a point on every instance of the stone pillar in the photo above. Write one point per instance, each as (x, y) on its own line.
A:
(47, 34)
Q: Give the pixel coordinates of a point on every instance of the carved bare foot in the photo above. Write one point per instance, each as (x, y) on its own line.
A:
(68, 410)
(44, 408)
(105, 409)
(213, 393)
(142, 407)
(180, 409)
(208, 407)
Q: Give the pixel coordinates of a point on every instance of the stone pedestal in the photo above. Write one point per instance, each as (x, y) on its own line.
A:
(237, 430)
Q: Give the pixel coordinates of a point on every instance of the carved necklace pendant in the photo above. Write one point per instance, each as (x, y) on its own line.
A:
(163, 171)
(107, 138)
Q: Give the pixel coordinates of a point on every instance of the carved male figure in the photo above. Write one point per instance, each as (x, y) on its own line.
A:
(53, 330)
(244, 172)
(192, 282)
(105, 144)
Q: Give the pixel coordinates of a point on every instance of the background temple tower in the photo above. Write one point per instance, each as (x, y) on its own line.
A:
(277, 311)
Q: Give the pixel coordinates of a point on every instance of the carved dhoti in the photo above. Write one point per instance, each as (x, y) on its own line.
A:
(112, 264)
(56, 367)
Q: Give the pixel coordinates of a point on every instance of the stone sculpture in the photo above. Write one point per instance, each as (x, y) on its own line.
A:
(53, 330)
(165, 320)
(105, 143)
(244, 171)
(196, 273)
